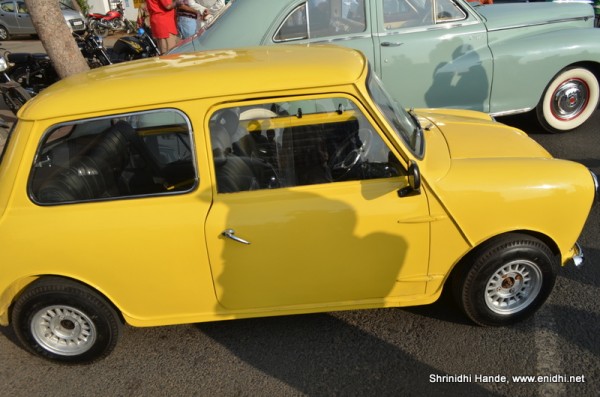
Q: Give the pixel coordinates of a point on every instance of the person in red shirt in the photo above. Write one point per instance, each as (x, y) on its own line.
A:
(162, 23)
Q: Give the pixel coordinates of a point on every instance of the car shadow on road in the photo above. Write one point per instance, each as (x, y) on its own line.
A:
(523, 121)
(444, 309)
(9, 334)
(321, 354)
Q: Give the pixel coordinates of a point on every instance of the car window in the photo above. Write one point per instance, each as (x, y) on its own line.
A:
(448, 11)
(124, 156)
(8, 7)
(410, 13)
(21, 7)
(322, 18)
(404, 123)
(294, 143)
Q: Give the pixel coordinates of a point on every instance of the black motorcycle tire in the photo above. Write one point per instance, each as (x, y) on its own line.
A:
(100, 31)
(15, 97)
(129, 27)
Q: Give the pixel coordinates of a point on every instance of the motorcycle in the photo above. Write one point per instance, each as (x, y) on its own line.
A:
(13, 93)
(134, 47)
(114, 20)
(92, 48)
(35, 71)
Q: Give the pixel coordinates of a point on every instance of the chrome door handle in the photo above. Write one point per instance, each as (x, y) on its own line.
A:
(230, 233)
(389, 44)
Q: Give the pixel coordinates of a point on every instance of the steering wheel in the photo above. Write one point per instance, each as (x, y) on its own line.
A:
(347, 155)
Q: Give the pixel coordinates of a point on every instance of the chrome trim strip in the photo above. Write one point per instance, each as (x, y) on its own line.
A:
(345, 38)
(510, 112)
(439, 26)
(596, 185)
(541, 23)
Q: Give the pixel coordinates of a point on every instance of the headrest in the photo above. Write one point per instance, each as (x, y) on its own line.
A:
(221, 143)
(228, 119)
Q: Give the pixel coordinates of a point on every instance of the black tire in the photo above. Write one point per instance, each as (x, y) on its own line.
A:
(62, 320)
(569, 100)
(100, 31)
(129, 27)
(15, 97)
(505, 280)
(4, 34)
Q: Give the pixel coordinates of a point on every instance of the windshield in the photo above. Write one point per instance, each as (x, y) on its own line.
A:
(65, 6)
(194, 43)
(404, 124)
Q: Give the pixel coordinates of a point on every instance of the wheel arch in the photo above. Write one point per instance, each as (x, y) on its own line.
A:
(592, 66)
(466, 259)
(18, 287)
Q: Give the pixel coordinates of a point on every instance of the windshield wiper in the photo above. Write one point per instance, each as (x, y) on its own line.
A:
(418, 135)
(413, 116)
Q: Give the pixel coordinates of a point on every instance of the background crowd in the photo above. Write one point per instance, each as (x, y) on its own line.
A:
(171, 20)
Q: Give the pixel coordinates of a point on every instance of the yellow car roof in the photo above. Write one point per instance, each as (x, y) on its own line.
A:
(181, 77)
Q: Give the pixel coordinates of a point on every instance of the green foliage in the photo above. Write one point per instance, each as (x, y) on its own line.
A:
(85, 7)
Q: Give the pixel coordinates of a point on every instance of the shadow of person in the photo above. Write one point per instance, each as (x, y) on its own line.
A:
(318, 248)
(461, 82)
(327, 247)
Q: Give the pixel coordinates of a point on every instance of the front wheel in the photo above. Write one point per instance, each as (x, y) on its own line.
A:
(569, 100)
(505, 280)
(62, 320)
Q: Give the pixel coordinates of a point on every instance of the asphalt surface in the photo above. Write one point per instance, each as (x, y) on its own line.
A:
(399, 352)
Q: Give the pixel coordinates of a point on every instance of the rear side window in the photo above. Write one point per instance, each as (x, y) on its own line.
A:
(322, 18)
(131, 155)
(410, 13)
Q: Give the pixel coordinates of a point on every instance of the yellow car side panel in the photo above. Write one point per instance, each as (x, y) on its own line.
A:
(534, 195)
(317, 244)
(167, 262)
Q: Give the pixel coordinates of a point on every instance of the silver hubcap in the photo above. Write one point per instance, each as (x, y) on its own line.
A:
(513, 287)
(63, 330)
(570, 99)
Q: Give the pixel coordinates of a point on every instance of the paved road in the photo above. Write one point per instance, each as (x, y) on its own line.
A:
(371, 353)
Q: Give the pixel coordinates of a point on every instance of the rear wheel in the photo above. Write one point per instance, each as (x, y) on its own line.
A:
(100, 30)
(569, 100)
(4, 35)
(63, 320)
(505, 280)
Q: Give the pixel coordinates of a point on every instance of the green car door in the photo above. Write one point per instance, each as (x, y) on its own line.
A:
(433, 53)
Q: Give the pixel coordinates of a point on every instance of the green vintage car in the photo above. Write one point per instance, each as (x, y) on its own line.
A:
(501, 59)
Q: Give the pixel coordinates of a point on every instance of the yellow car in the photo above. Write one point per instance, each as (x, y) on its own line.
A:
(267, 181)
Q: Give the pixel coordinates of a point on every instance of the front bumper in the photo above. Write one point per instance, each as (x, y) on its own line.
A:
(578, 258)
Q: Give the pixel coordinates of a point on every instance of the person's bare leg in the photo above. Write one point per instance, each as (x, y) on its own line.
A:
(162, 45)
(171, 41)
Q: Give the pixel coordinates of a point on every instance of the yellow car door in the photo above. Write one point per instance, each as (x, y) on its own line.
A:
(307, 211)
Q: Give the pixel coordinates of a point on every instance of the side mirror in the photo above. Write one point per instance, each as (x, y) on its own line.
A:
(414, 181)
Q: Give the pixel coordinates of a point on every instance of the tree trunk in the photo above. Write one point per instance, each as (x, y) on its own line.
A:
(56, 37)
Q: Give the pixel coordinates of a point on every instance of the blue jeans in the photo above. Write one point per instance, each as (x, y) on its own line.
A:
(186, 26)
